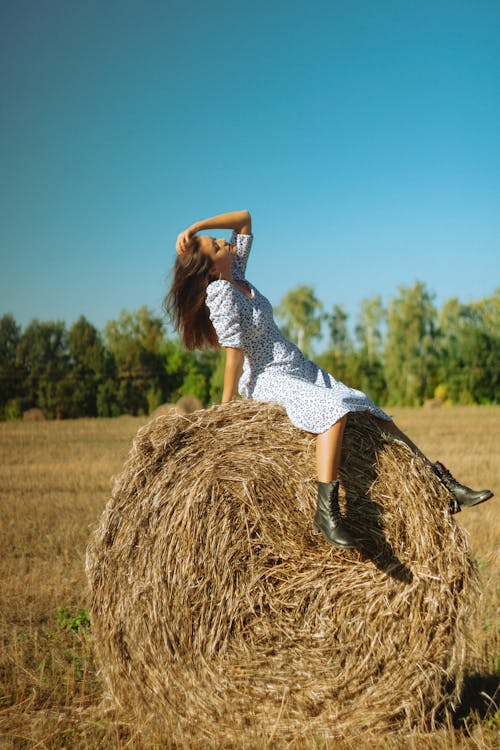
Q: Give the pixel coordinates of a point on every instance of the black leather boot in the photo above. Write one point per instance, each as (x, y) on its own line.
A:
(328, 519)
(462, 494)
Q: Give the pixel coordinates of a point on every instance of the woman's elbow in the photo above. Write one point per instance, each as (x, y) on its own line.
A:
(246, 225)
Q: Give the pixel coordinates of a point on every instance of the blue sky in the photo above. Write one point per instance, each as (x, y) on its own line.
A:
(363, 136)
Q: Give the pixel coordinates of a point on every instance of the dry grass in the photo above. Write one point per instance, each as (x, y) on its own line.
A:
(54, 483)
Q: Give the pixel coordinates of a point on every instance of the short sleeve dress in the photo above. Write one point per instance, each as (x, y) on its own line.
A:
(274, 369)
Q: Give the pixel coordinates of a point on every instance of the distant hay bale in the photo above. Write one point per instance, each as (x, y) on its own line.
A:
(433, 403)
(163, 409)
(218, 612)
(33, 415)
(184, 405)
(188, 404)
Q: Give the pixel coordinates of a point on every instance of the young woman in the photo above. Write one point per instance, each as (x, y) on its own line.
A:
(212, 304)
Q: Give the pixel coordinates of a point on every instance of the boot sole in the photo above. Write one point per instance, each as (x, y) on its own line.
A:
(317, 530)
(477, 502)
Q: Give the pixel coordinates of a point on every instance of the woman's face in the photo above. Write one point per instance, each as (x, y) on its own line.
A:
(220, 252)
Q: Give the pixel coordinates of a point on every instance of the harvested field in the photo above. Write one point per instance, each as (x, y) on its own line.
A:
(55, 482)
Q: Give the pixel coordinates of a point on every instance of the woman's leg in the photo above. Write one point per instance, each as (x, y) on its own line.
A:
(460, 493)
(392, 428)
(328, 451)
(329, 447)
(328, 518)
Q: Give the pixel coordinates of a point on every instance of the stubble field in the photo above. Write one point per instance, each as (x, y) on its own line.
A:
(55, 478)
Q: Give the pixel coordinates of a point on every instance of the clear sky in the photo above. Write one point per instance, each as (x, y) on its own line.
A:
(363, 136)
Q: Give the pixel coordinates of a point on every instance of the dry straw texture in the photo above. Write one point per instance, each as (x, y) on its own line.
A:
(215, 607)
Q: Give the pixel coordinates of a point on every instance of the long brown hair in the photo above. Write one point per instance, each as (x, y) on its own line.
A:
(185, 302)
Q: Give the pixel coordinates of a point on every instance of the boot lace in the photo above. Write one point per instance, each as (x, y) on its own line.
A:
(447, 477)
(335, 511)
(451, 484)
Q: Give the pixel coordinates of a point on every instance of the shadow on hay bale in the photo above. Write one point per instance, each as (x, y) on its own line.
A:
(216, 609)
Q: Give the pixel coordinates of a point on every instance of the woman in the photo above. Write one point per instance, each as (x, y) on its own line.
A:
(212, 304)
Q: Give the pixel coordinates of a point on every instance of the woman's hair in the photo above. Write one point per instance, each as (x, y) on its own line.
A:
(185, 302)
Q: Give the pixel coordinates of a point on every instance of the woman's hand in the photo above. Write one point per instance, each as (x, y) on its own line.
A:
(240, 221)
(183, 240)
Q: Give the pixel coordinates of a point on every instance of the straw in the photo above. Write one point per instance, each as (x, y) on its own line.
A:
(215, 608)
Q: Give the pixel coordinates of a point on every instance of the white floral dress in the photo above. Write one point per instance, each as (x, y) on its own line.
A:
(274, 369)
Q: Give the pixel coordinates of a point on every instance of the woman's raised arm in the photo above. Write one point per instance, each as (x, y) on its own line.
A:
(240, 221)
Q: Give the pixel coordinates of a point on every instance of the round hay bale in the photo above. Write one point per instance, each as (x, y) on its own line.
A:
(433, 403)
(163, 409)
(217, 611)
(188, 404)
(33, 415)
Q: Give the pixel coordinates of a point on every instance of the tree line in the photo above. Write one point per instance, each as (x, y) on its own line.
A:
(400, 355)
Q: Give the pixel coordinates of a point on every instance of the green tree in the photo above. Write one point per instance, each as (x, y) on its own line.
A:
(489, 310)
(338, 357)
(189, 373)
(368, 329)
(91, 366)
(44, 358)
(108, 402)
(195, 384)
(340, 341)
(178, 362)
(301, 314)
(411, 356)
(11, 380)
(135, 341)
(470, 350)
(369, 335)
(206, 364)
